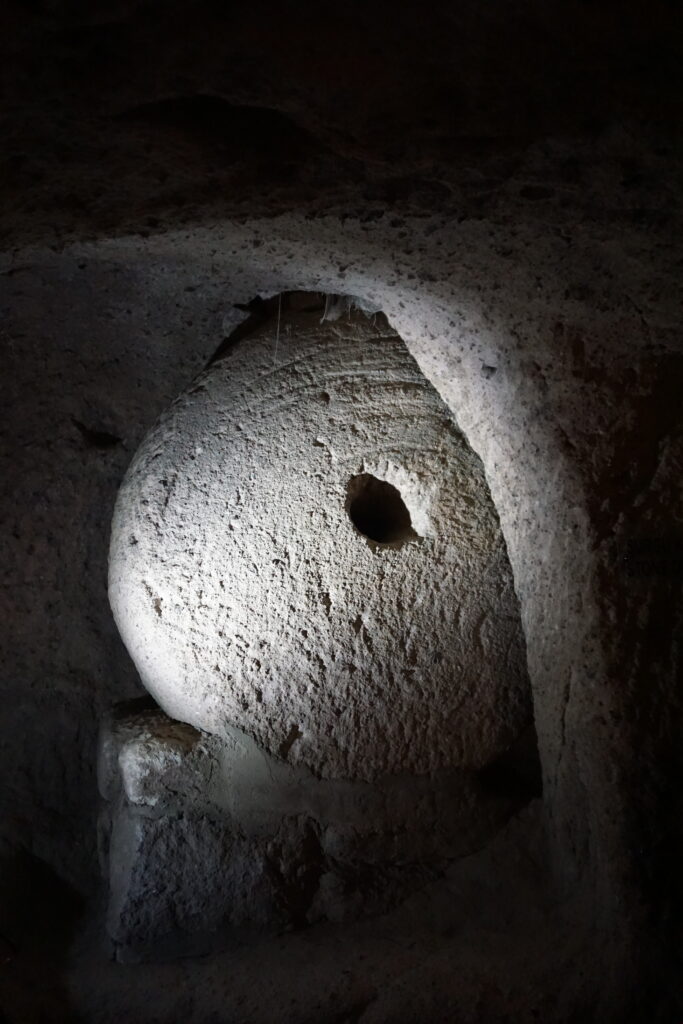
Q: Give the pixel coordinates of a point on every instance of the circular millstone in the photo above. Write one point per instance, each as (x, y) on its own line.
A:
(305, 547)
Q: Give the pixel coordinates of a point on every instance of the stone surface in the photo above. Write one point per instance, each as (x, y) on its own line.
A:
(569, 463)
(207, 841)
(506, 186)
(247, 596)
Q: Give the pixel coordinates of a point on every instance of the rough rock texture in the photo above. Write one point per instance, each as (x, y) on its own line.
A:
(505, 184)
(207, 841)
(247, 596)
(561, 446)
(399, 967)
(63, 659)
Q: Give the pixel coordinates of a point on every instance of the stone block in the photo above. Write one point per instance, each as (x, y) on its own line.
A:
(208, 841)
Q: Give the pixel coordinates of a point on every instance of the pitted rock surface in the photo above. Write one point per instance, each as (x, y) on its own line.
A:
(247, 596)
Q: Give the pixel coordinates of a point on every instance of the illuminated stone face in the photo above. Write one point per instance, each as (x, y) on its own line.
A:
(305, 547)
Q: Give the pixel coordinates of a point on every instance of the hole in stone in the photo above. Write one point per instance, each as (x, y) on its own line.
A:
(378, 511)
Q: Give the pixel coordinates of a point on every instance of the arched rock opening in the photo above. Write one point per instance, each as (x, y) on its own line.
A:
(492, 322)
(307, 565)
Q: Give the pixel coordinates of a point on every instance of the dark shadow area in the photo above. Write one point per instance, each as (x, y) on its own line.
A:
(227, 129)
(378, 511)
(516, 773)
(39, 916)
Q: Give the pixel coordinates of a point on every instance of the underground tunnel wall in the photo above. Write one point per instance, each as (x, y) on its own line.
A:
(491, 319)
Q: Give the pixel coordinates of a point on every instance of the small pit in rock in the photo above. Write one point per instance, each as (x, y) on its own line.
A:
(378, 511)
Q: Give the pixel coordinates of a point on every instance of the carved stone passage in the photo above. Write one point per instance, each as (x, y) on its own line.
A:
(305, 548)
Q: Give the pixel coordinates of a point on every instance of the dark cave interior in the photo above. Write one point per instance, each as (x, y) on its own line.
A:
(343, 540)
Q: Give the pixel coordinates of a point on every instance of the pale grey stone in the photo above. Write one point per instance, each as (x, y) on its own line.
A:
(247, 595)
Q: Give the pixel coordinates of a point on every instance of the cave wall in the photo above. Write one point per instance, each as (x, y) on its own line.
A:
(534, 405)
(518, 221)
